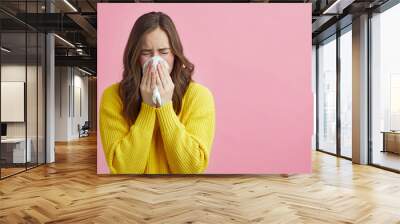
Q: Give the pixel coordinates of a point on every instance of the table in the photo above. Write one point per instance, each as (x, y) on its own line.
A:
(13, 150)
(391, 141)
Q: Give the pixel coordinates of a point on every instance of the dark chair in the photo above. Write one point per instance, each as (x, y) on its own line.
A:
(84, 130)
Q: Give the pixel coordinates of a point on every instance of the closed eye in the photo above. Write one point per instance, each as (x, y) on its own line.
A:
(164, 51)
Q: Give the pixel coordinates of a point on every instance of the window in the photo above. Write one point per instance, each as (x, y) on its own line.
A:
(327, 95)
(346, 92)
(385, 88)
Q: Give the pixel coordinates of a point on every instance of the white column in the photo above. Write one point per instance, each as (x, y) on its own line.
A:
(360, 89)
(50, 93)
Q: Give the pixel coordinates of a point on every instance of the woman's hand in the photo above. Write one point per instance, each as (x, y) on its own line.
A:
(147, 85)
(164, 83)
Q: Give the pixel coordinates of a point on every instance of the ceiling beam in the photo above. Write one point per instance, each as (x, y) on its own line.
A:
(337, 6)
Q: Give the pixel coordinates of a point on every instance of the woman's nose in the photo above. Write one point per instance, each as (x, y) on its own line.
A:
(156, 54)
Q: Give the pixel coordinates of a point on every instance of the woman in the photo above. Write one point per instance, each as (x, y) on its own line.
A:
(140, 136)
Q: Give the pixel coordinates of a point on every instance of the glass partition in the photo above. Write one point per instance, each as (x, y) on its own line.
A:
(41, 96)
(31, 97)
(22, 77)
(14, 153)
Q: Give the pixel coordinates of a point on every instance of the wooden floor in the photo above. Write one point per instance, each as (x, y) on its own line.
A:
(5, 172)
(69, 191)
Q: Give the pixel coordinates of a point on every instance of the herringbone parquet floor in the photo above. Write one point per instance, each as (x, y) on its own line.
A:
(69, 191)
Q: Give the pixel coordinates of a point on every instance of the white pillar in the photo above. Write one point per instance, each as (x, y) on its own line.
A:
(360, 89)
(50, 92)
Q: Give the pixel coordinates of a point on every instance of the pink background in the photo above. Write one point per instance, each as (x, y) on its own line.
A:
(256, 60)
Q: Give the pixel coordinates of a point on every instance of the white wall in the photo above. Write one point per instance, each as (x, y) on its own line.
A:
(71, 93)
(81, 89)
(15, 72)
(34, 125)
(61, 103)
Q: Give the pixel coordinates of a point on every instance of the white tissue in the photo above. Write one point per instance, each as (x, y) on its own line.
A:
(155, 61)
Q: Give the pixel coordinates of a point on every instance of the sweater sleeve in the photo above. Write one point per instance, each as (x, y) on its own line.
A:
(188, 145)
(126, 148)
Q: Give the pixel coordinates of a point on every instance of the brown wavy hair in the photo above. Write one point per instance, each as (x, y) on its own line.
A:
(181, 73)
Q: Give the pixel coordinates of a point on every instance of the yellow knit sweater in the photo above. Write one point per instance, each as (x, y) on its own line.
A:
(159, 141)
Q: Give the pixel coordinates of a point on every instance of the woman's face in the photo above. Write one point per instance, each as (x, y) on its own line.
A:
(156, 43)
